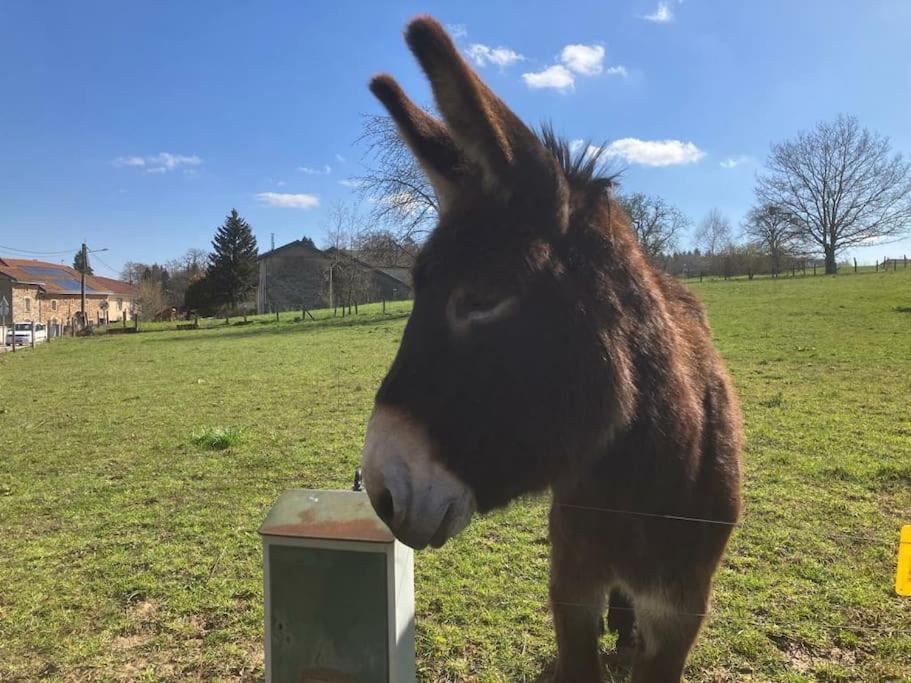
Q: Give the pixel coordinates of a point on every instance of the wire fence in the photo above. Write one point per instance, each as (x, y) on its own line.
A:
(829, 626)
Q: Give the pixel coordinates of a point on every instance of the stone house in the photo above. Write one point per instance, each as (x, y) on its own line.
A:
(300, 274)
(51, 293)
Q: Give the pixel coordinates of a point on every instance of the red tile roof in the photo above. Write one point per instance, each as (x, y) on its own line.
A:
(56, 278)
(116, 286)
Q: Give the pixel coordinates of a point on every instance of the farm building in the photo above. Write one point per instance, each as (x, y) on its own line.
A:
(51, 293)
(299, 274)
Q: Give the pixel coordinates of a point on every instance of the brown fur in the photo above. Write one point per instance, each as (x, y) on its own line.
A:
(602, 383)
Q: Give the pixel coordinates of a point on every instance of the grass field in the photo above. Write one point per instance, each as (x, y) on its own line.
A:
(135, 470)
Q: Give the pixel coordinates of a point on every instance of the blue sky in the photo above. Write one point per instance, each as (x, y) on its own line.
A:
(138, 126)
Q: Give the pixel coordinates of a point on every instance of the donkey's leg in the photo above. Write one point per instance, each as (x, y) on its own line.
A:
(667, 629)
(577, 602)
(621, 619)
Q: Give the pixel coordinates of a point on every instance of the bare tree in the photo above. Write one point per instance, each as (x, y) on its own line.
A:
(657, 223)
(132, 272)
(381, 248)
(183, 271)
(714, 233)
(152, 299)
(842, 185)
(773, 230)
(402, 198)
(343, 281)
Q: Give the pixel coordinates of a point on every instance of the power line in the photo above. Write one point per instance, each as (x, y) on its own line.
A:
(38, 253)
(98, 258)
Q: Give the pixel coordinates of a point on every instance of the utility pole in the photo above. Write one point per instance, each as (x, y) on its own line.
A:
(85, 260)
(85, 266)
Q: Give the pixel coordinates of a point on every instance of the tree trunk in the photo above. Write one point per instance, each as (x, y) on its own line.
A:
(831, 265)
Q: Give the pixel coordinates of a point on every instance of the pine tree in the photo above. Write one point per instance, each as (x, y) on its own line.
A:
(232, 264)
(77, 264)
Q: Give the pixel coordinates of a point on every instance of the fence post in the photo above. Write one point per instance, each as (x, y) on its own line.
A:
(855, 264)
(276, 315)
(894, 265)
(33, 334)
(814, 268)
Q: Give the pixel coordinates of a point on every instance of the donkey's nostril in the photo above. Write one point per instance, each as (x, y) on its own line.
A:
(384, 506)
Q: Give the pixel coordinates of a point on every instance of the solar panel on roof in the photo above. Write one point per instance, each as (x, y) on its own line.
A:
(41, 270)
(69, 285)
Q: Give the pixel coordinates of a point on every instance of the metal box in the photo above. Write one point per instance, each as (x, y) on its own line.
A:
(339, 592)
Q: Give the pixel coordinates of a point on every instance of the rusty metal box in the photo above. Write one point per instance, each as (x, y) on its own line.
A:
(339, 592)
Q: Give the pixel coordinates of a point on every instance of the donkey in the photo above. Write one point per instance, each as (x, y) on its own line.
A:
(545, 351)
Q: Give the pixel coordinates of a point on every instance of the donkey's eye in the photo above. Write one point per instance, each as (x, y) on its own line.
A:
(474, 306)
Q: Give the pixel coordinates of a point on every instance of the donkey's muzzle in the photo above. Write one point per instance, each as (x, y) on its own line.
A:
(418, 498)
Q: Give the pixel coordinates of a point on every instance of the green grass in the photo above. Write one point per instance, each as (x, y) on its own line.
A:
(218, 438)
(127, 551)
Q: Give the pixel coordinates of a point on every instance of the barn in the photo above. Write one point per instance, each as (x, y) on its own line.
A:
(299, 274)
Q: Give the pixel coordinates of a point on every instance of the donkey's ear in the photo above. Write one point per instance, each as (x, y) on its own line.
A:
(426, 137)
(482, 126)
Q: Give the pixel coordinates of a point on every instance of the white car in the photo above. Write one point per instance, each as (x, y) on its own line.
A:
(23, 334)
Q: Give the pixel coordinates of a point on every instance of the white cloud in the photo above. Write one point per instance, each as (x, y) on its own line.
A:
(557, 77)
(576, 60)
(482, 55)
(734, 162)
(353, 183)
(587, 60)
(326, 169)
(663, 14)
(172, 161)
(288, 201)
(654, 152)
(129, 161)
(339, 158)
(576, 145)
(162, 162)
(457, 30)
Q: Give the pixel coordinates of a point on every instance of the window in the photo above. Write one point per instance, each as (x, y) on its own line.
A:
(54, 304)
(28, 304)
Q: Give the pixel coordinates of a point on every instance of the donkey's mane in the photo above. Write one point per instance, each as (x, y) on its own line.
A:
(584, 168)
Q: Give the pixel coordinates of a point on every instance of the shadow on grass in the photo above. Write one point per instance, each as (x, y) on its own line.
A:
(903, 309)
(616, 667)
(271, 328)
